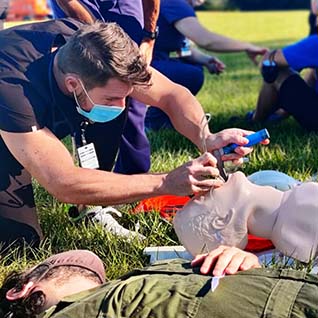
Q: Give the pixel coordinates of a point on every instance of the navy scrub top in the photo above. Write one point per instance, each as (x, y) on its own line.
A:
(170, 39)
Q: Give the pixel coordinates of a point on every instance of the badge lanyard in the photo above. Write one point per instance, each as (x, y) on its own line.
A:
(85, 155)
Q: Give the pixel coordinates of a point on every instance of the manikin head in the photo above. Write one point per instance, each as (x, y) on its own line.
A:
(216, 218)
(26, 294)
(227, 214)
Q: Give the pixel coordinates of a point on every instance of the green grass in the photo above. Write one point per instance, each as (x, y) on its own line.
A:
(291, 150)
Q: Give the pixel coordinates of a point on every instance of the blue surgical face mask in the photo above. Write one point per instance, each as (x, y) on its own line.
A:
(98, 113)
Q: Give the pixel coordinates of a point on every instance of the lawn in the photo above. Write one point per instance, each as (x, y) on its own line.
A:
(292, 150)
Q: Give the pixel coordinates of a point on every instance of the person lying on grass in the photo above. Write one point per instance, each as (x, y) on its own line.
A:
(72, 284)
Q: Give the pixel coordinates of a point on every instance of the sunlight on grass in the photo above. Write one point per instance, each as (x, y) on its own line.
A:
(258, 27)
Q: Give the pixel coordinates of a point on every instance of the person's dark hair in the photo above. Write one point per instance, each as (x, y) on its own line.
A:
(32, 304)
(101, 51)
(27, 307)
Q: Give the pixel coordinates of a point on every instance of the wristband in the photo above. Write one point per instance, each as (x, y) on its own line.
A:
(270, 68)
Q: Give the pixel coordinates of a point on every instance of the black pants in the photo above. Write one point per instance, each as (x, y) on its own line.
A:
(299, 100)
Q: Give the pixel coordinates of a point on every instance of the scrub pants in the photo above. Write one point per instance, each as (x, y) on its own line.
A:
(175, 290)
(186, 74)
(299, 100)
(18, 218)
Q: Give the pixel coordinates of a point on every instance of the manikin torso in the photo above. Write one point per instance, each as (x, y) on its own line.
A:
(225, 216)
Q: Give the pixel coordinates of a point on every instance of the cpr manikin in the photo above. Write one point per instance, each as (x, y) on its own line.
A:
(227, 214)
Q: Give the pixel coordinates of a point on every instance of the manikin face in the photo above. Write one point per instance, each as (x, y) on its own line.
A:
(219, 217)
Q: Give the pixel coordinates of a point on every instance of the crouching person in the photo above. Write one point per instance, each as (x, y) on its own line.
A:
(284, 91)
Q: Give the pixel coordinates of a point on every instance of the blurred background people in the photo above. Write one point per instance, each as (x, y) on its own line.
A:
(178, 25)
(285, 90)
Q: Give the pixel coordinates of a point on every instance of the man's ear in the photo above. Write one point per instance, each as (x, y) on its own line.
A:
(71, 83)
(13, 294)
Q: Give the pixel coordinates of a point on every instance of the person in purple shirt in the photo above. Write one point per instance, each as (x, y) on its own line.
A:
(289, 93)
(138, 19)
(178, 24)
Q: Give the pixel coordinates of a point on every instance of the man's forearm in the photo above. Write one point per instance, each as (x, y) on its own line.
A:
(96, 187)
(74, 9)
(219, 43)
(151, 13)
(186, 115)
(197, 57)
(182, 107)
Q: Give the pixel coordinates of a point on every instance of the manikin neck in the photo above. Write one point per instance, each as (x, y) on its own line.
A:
(264, 210)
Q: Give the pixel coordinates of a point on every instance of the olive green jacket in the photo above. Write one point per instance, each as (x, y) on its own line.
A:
(175, 290)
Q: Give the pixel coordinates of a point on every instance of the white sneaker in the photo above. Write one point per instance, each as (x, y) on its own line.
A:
(103, 216)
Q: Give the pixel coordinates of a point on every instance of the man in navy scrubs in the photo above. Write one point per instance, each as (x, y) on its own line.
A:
(138, 19)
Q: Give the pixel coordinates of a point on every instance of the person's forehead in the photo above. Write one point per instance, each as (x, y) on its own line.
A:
(112, 89)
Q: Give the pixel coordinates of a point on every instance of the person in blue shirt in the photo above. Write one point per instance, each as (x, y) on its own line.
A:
(289, 92)
(138, 19)
(178, 24)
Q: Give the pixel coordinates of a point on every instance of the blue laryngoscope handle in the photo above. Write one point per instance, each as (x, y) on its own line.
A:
(253, 140)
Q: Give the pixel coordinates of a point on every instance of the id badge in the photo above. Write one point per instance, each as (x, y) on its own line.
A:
(185, 50)
(87, 156)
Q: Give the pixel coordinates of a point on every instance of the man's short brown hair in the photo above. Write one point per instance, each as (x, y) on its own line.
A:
(100, 51)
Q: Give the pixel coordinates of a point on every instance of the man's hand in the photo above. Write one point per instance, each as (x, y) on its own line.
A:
(214, 65)
(225, 260)
(192, 177)
(228, 136)
(254, 51)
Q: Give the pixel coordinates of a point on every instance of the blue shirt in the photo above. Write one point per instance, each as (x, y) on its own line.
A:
(303, 54)
(170, 39)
